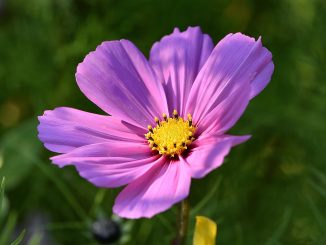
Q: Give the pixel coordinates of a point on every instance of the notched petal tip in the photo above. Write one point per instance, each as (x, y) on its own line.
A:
(59, 161)
(197, 28)
(243, 36)
(181, 53)
(237, 60)
(91, 54)
(176, 30)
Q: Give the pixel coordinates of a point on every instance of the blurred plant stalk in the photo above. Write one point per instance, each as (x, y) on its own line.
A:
(183, 220)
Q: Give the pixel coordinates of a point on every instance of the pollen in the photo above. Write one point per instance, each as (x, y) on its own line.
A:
(171, 136)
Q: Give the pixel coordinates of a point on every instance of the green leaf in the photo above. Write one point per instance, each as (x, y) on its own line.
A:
(19, 238)
(319, 174)
(2, 193)
(318, 214)
(8, 228)
(279, 231)
(18, 148)
(321, 190)
(207, 197)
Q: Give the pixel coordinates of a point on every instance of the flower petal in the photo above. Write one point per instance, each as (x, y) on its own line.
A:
(177, 58)
(236, 61)
(262, 79)
(209, 152)
(225, 114)
(109, 164)
(165, 184)
(205, 231)
(64, 129)
(118, 78)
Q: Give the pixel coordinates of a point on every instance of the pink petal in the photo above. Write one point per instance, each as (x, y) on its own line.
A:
(109, 164)
(235, 62)
(65, 129)
(225, 114)
(262, 79)
(117, 78)
(177, 58)
(165, 184)
(209, 152)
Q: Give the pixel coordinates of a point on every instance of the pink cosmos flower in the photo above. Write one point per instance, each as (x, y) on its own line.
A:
(170, 115)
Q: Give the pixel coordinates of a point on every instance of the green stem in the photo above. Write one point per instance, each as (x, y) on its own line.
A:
(183, 222)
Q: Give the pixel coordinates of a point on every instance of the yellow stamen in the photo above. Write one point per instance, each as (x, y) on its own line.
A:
(150, 129)
(172, 135)
(157, 120)
(190, 119)
(175, 113)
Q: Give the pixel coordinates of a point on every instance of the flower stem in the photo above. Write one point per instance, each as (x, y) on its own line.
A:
(183, 222)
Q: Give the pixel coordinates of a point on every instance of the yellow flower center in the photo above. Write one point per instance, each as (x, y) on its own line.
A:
(172, 135)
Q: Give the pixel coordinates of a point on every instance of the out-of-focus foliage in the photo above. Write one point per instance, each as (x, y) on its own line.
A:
(7, 224)
(271, 190)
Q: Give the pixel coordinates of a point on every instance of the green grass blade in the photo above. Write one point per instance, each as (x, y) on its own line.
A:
(274, 239)
(6, 232)
(36, 238)
(207, 197)
(165, 222)
(2, 193)
(317, 188)
(19, 238)
(319, 174)
(317, 213)
(61, 187)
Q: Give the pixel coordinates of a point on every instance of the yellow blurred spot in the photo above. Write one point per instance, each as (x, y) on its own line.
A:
(238, 13)
(9, 114)
(292, 168)
(205, 231)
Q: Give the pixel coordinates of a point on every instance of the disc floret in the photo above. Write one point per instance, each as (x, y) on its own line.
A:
(172, 135)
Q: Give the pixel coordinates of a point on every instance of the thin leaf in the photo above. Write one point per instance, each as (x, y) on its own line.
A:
(2, 194)
(14, 144)
(319, 174)
(8, 228)
(36, 238)
(29, 155)
(274, 239)
(207, 197)
(19, 238)
(165, 222)
(65, 191)
(99, 197)
(318, 188)
(317, 213)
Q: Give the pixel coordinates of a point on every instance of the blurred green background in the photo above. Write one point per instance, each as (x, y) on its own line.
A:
(271, 190)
